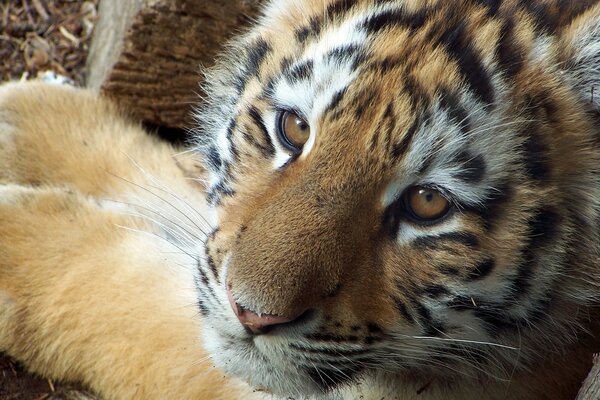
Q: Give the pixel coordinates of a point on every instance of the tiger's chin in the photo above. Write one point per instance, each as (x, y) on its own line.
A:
(265, 368)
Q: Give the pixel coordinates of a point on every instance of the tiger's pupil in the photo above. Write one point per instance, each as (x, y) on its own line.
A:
(427, 204)
(295, 130)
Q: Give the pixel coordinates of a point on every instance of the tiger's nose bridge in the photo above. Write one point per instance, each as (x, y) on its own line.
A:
(288, 262)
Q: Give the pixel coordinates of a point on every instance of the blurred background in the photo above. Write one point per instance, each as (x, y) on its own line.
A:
(39, 36)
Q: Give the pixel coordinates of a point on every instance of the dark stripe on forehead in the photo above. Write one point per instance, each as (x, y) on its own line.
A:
(256, 54)
(461, 49)
(385, 128)
(310, 31)
(337, 9)
(395, 19)
(457, 112)
(300, 71)
(401, 147)
(418, 95)
(343, 53)
(335, 101)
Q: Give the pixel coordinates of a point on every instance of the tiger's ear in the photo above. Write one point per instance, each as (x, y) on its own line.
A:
(580, 47)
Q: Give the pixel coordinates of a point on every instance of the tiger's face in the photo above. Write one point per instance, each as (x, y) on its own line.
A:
(402, 187)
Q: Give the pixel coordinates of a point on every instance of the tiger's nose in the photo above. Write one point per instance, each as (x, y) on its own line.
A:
(257, 324)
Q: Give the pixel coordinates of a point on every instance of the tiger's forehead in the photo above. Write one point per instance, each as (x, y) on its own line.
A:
(340, 56)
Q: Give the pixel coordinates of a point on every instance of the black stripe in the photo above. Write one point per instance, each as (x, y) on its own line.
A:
(374, 328)
(473, 168)
(461, 49)
(216, 193)
(326, 337)
(335, 101)
(543, 227)
(204, 310)
(495, 322)
(545, 20)
(342, 53)
(511, 56)
(435, 291)
(401, 307)
(231, 129)
(337, 9)
(213, 158)
(301, 71)
(401, 147)
(416, 92)
(329, 352)
(482, 269)
(448, 270)
(268, 149)
(312, 30)
(385, 65)
(284, 65)
(457, 112)
(431, 327)
(492, 208)
(363, 101)
(535, 154)
(395, 19)
(390, 222)
(463, 238)
(492, 6)
(256, 54)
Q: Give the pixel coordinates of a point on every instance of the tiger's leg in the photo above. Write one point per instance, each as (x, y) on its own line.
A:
(84, 300)
(84, 295)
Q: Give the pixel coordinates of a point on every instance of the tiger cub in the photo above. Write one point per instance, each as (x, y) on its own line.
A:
(384, 199)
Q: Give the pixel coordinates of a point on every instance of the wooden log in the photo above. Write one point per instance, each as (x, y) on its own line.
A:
(147, 54)
(590, 390)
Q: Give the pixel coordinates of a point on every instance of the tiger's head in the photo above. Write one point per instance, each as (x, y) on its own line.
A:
(401, 187)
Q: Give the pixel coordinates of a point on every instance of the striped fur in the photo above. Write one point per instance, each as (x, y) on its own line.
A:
(494, 103)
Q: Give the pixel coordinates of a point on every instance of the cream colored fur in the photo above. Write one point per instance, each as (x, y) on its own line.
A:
(89, 292)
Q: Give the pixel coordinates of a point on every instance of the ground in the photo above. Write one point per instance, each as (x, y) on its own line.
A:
(37, 36)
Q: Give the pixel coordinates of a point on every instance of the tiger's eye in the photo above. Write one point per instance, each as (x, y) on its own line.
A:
(427, 204)
(293, 130)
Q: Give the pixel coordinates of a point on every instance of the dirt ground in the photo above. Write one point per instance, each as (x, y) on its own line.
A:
(45, 35)
(37, 36)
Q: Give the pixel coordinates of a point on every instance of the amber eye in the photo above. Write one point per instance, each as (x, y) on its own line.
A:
(425, 204)
(292, 130)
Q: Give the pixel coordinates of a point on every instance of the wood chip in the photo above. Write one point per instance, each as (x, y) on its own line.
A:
(68, 35)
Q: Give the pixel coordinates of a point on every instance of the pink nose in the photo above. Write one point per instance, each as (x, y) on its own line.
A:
(257, 324)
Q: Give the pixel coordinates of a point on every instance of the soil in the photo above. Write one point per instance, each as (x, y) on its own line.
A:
(45, 35)
(36, 37)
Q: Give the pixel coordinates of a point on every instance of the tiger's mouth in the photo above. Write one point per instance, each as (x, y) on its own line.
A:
(290, 359)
